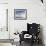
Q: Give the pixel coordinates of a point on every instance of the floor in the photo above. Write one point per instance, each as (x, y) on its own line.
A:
(27, 44)
(5, 44)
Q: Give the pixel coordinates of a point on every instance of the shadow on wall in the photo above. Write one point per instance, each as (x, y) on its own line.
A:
(41, 34)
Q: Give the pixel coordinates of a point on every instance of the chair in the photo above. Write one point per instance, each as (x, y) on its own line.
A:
(33, 30)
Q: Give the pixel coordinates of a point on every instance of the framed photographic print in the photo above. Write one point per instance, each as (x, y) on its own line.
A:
(20, 14)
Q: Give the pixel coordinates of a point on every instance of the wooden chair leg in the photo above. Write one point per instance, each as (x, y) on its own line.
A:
(20, 42)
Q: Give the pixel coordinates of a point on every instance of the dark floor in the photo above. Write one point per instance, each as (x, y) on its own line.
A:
(29, 44)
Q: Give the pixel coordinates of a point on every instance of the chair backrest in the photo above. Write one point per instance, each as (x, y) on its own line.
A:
(33, 28)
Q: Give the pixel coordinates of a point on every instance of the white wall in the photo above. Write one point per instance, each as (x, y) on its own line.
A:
(3, 1)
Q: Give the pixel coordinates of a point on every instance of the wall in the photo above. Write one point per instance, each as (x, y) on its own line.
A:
(3, 1)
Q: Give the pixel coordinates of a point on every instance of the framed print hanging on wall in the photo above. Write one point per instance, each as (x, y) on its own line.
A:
(20, 14)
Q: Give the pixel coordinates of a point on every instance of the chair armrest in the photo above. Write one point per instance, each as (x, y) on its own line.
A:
(24, 32)
(22, 35)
